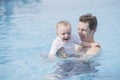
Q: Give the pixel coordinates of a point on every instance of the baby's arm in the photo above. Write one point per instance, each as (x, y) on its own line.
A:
(76, 39)
(53, 50)
(51, 55)
(77, 48)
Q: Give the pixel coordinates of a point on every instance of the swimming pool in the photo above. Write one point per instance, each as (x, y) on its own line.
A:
(27, 29)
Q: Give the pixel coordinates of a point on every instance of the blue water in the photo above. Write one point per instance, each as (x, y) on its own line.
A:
(27, 29)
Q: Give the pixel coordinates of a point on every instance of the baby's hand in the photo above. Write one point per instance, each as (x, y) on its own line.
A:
(51, 57)
(78, 48)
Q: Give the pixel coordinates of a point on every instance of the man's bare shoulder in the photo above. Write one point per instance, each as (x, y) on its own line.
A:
(88, 48)
(94, 49)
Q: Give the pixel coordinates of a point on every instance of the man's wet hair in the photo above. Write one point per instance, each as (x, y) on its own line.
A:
(90, 19)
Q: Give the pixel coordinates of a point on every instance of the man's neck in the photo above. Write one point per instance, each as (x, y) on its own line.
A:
(91, 40)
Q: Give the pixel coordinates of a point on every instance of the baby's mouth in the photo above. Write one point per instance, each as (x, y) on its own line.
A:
(66, 39)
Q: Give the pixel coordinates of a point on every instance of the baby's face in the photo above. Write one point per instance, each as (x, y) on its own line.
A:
(64, 32)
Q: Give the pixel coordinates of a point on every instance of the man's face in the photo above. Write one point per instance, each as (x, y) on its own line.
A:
(84, 32)
(64, 32)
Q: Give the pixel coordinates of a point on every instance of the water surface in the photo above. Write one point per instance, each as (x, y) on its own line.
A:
(27, 29)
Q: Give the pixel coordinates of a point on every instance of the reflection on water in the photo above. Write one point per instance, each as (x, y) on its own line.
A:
(72, 67)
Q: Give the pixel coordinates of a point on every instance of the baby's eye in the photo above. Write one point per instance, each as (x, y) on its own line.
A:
(63, 33)
(69, 33)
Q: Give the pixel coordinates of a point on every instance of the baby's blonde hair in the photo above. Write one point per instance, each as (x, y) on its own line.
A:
(65, 23)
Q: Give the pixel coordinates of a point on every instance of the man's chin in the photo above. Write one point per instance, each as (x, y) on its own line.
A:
(82, 39)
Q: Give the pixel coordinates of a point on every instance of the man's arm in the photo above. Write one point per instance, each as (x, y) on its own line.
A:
(87, 50)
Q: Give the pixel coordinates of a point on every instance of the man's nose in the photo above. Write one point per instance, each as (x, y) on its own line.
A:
(79, 31)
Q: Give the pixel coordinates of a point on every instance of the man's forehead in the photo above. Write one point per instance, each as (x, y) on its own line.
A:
(83, 25)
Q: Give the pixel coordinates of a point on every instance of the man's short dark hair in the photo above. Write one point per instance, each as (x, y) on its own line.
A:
(91, 20)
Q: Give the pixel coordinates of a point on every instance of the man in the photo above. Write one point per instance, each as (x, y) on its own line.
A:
(86, 29)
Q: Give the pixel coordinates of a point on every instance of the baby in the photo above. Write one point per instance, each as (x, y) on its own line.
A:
(64, 42)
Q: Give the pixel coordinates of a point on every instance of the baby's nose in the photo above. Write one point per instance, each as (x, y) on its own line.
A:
(66, 35)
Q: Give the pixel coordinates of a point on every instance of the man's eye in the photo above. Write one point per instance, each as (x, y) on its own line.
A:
(83, 29)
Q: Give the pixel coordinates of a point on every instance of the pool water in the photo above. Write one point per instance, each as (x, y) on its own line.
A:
(27, 29)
